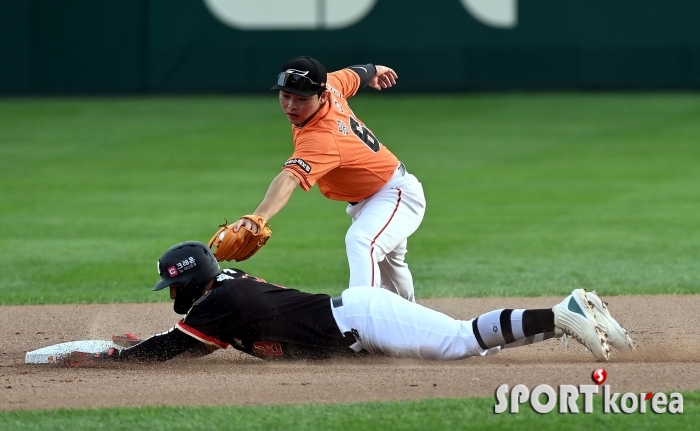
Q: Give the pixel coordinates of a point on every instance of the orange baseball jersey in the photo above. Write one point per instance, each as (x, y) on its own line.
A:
(337, 151)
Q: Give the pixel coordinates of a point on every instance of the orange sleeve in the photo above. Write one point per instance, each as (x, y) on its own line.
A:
(314, 156)
(346, 81)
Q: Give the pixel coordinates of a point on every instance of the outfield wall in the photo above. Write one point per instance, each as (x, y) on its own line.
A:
(176, 46)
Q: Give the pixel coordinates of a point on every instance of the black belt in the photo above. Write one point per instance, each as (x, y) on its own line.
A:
(351, 339)
(401, 168)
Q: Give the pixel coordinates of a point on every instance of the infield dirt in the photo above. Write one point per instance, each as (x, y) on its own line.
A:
(665, 329)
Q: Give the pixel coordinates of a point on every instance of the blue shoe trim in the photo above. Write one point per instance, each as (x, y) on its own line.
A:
(573, 306)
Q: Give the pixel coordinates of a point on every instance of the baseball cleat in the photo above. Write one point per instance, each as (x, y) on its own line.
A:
(574, 316)
(617, 335)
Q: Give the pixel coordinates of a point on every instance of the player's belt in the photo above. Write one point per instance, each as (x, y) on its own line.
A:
(351, 338)
(402, 171)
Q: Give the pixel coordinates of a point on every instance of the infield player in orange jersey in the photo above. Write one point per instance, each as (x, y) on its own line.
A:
(334, 149)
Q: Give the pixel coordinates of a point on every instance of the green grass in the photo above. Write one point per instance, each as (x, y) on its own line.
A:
(426, 415)
(527, 194)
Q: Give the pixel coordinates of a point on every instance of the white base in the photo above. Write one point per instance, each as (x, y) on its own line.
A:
(49, 354)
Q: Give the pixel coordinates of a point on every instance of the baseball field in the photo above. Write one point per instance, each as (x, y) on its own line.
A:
(528, 197)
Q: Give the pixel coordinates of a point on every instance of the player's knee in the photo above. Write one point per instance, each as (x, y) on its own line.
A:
(395, 260)
(357, 240)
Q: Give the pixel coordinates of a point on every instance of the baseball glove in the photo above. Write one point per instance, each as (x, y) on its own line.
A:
(239, 245)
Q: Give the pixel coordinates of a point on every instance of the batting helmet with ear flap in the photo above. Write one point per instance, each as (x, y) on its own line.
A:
(188, 265)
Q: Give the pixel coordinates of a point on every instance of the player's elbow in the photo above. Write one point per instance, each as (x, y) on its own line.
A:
(290, 177)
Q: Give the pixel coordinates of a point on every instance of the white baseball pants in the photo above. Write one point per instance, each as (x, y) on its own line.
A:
(376, 241)
(389, 325)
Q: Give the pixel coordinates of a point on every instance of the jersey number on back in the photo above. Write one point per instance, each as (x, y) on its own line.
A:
(365, 135)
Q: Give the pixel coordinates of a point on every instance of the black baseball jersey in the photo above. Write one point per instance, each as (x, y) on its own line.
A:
(253, 316)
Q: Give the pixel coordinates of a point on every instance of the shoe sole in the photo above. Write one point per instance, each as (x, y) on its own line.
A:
(617, 335)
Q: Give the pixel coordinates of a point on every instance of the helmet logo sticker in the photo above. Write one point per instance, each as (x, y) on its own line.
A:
(186, 264)
(173, 272)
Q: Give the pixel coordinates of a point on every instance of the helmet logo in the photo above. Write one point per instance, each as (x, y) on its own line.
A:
(186, 264)
(181, 267)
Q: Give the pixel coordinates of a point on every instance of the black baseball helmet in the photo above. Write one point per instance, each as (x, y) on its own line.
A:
(189, 265)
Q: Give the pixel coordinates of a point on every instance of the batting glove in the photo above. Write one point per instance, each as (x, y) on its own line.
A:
(84, 359)
(126, 340)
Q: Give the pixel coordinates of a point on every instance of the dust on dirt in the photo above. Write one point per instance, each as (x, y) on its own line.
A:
(665, 329)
